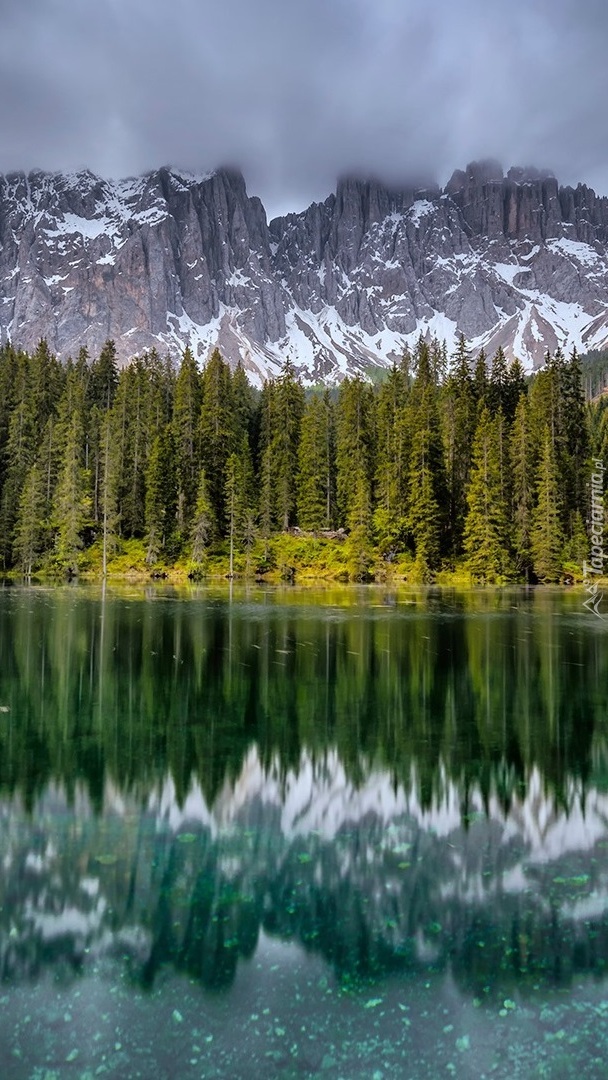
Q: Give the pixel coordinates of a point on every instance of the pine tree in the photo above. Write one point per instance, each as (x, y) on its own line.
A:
(267, 423)
(547, 540)
(480, 381)
(20, 451)
(316, 468)
(359, 522)
(103, 378)
(498, 383)
(204, 525)
(243, 402)
(515, 386)
(427, 488)
(289, 407)
(72, 501)
(425, 519)
(217, 430)
(185, 420)
(161, 498)
(30, 528)
(130, 424)
(109, 489)
(576, 441)
(523, 460)
(355, 429)
(239, 499)
(486, 530)
(392, 460)
(459, 413)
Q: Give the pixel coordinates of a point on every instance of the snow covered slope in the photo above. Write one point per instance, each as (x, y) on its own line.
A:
(172, 258)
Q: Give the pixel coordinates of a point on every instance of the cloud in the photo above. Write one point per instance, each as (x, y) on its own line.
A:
(299, 91)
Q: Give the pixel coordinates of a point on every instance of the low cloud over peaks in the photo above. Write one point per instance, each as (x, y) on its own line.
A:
(299, 93)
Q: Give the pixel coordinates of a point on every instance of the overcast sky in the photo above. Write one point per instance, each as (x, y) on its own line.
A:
(296, 92)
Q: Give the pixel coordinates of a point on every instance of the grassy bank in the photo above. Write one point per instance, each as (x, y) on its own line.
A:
(284, 558)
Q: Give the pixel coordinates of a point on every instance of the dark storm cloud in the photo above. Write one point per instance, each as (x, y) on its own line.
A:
(297, 91)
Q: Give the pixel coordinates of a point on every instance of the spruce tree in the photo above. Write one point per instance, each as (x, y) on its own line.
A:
(217, 430)
(204, 525)
(185, 421)
(289, 408)
(515, 386)
(72, 501)
(459, 413)
(425, 519)
(29, 542)
(427, 488)
(161, 498)
(131, 421)
(547, 540)
(267, 424)
(498, 383)
(239, 499)
(316, 464)
(355, 430)
(480, 381)
(20, 450)
(576, 441)
(523, 461)
(109, 488)
(392, 459)
(486, 530)
(103, 378)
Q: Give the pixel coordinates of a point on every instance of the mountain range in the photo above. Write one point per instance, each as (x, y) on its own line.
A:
(171, 258)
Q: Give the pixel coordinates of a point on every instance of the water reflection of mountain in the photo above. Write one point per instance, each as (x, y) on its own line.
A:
(401, 787)
(365, 876)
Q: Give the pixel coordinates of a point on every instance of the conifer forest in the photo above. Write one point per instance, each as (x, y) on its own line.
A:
(457, 464)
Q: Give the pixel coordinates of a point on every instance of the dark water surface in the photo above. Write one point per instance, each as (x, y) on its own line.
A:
(349, 834)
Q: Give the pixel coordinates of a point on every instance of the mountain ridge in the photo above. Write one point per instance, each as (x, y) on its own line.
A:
(173, 258)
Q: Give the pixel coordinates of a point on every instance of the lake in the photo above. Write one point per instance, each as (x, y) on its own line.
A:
(358, 833)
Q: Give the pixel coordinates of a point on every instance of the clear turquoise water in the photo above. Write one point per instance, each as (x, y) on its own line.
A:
(291, 834)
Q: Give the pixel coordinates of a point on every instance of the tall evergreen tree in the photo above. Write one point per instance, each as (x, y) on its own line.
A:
(30, 527)
(161, 498)
(204, 526)
(392, 459)
(289, 408)
(576, 441)
(459, 414)
(72, 501)
(480, 381)
(355, 431)
(547, 538)
(427, 488)
(239, 498)
(515, 386)
(486, 531)
(217, 429)
(185, 422)
(103, 378)
(523, 466)
(316, 467)
(498, 383)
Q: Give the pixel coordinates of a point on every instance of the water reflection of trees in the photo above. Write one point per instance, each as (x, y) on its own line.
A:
(157, 687)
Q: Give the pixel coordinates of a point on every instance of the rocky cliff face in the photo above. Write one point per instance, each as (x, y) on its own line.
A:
(171, 258)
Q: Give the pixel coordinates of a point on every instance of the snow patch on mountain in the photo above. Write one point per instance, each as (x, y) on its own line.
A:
(174, 258)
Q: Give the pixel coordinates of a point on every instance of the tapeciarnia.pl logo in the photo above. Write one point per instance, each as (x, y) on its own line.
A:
(596, 564)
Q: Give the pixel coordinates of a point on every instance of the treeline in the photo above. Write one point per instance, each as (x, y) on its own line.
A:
(459, 464)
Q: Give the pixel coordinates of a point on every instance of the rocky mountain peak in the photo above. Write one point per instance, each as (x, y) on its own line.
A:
(172, 257)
